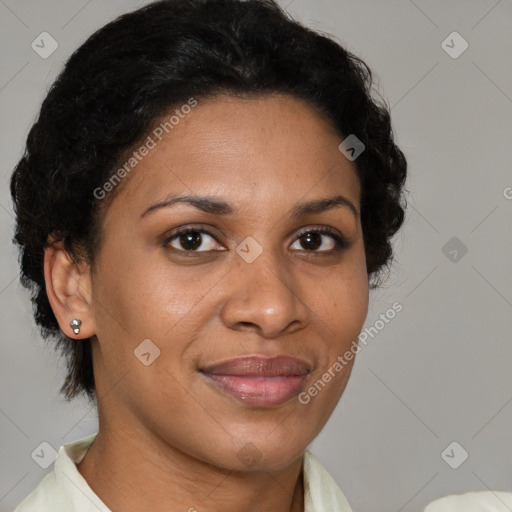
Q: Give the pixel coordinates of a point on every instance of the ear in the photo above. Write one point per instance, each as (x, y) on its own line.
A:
(68, 286)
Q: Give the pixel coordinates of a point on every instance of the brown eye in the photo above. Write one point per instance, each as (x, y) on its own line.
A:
(317, 240)
(192, 240)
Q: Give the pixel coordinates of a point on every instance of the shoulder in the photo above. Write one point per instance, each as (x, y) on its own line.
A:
(64, 488)
(482, 501)
(46, 497)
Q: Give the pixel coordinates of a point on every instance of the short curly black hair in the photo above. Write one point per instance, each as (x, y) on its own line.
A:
(118, 84)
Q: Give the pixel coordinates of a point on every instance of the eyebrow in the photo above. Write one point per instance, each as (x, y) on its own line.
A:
(218, 206)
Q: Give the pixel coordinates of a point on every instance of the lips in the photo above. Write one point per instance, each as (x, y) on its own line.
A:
(255, 366)
(259, 381)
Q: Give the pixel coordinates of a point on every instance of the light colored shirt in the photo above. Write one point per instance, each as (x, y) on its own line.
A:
(482, 501)
(64, 489)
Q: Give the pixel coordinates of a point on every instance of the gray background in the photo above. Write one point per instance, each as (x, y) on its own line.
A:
(440, 371)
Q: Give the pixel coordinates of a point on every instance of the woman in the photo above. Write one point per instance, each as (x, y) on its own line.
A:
(205, 200)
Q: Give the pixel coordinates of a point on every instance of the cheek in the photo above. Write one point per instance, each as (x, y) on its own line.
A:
(341, 307)
(138, 299)
(144, 296)
(355, 289)
(341, 300)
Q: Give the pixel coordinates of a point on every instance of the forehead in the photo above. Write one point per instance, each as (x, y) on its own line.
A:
(248, 150)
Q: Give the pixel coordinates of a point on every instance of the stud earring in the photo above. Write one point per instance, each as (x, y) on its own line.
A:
(75, 324)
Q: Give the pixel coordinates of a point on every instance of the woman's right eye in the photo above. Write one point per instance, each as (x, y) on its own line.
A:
(191, 240)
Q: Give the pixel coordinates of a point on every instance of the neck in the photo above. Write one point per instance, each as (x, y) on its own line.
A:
(133, 469)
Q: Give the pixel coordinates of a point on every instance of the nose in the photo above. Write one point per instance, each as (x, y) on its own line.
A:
(264, 297)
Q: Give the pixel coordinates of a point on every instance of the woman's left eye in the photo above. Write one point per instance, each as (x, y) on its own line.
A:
(311, 240)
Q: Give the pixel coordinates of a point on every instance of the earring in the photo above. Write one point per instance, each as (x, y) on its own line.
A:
(75, 324)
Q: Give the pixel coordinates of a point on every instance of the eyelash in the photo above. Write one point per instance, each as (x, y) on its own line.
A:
(341, 242)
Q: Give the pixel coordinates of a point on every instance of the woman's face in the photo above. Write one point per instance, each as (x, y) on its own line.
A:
(250, 279)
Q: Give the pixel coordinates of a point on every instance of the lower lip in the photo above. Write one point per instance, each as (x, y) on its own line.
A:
(259, 391)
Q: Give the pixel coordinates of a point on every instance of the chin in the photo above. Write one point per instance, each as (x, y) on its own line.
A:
(267, 452)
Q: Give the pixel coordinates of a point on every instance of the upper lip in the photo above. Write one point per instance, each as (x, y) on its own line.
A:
(259, 366)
